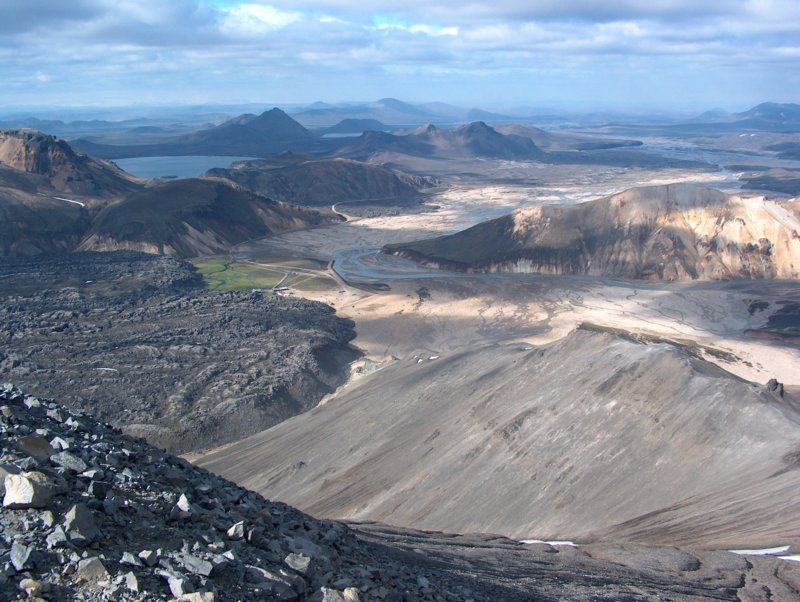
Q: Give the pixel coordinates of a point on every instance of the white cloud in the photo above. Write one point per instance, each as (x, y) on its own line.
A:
(339, 44)
(434, 30)
(257, 18)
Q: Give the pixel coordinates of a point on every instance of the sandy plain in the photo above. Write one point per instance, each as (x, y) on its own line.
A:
(404, 310)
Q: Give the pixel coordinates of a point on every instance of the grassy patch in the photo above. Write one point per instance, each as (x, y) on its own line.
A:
(290, 262)
(315, 283)
(224, 274)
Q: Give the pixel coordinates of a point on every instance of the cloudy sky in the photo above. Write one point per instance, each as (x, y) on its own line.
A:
(571, 54)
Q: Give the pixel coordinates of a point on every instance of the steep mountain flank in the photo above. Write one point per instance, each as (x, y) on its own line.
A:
(65, 169)
(324, 182)
(193, 217)
(672, 232)
(592, 437)
(34, 224)
(135, 340)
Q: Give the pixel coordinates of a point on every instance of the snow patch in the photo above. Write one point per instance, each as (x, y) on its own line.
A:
(761, 552)
(571, 544)
(61, 198)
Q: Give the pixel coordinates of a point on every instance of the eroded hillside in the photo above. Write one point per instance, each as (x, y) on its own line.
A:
(672, 232)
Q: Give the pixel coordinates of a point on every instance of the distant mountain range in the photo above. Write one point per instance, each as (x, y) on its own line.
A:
(274, 131)
(472, 140)
(262, 135)
(672, 232)
(767, 116)
(392, 112)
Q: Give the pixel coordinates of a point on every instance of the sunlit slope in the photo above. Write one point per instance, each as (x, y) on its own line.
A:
(671, 232)
(573, 440)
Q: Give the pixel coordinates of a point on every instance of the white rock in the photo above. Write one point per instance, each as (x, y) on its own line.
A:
(91, 570)
(236, 532)
(28, 490)
(331, 595)
(131, 582)
(199, 597)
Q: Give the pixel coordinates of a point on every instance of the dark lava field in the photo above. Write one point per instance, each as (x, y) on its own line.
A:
(138, 342)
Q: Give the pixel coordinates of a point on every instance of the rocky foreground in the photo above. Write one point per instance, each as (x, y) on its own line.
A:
(91, 514)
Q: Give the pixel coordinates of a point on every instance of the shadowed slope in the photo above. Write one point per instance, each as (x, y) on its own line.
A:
(193, 217)
(473, 140)
(324, 182)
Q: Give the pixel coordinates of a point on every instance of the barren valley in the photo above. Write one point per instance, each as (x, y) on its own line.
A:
(587, 350)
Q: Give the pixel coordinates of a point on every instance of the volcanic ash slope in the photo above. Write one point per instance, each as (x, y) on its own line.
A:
(593, 436)
(669, 232)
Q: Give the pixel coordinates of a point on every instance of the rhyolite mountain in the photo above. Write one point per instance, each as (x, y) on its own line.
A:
(669, 232)
(595, 437)
(247, 135)
(192, 217)
(49, 192)
(324, 182)
(65, 169)
(107, 209)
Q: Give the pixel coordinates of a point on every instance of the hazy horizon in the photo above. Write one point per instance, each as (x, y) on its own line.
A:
(670, 55)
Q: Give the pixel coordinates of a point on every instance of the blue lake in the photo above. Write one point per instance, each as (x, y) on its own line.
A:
(181, 167)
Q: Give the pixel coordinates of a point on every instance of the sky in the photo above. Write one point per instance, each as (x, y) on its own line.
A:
(575, 55)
